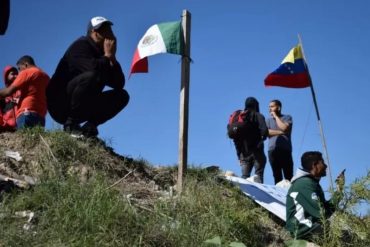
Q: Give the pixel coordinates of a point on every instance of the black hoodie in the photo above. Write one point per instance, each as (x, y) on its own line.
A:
(252, 105)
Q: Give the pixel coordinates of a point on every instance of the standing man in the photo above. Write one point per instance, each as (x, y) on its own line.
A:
(249, 148)
(31, 82)
(75, 94)
(280, 145)
(305, 204)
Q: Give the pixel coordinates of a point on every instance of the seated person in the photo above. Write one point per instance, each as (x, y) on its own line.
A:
(305, 204)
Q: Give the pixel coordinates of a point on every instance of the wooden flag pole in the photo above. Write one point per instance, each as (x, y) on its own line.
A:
(184, 100)
(317, 114)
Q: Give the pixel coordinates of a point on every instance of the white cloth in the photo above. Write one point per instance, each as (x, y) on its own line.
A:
(271, 197)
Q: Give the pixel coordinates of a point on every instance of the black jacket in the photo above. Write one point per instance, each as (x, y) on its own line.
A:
(82, 56)
(252, 105)
(255, 138)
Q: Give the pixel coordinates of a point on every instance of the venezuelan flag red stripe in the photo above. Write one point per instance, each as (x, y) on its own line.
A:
(299, 80)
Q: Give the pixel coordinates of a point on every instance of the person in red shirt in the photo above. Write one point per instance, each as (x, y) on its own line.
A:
(9, 104)
(31, 82)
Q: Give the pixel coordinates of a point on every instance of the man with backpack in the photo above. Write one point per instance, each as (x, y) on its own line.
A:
(248, 130)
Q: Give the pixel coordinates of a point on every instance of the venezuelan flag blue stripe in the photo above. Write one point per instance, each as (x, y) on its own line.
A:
(291, 68)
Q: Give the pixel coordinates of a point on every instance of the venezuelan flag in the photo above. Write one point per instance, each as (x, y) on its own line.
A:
(292, 72)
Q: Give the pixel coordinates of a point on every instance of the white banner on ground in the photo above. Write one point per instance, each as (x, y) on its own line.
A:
(271, 197)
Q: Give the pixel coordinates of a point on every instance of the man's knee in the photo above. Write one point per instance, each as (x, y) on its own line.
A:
(92, 75)
(122, 97)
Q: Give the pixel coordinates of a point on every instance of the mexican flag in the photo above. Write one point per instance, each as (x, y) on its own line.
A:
(160, 38)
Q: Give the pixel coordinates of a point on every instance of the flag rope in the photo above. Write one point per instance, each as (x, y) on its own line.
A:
(305, 129)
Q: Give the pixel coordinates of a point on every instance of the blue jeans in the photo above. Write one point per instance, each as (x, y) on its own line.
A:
(29, 119)
(256, 159)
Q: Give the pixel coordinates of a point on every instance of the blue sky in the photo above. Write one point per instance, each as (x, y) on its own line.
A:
(234, 45)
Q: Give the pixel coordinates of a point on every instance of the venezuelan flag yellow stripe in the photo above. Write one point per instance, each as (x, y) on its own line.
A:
(294, 54)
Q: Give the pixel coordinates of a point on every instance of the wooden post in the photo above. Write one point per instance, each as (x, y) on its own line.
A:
(184, 101)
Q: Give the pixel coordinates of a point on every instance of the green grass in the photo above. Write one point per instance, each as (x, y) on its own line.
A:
(68, 213)
(71, 212)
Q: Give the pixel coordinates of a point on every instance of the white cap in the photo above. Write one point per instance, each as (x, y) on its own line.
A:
(97, 21)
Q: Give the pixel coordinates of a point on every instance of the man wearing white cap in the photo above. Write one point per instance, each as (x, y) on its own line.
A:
(75, 93)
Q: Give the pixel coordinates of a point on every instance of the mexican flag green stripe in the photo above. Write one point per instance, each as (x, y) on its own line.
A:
(172, 37)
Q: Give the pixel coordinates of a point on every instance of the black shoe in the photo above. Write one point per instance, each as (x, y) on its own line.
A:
(74, 130)
(89, 130)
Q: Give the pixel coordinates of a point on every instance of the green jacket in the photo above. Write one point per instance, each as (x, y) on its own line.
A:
(305, 200)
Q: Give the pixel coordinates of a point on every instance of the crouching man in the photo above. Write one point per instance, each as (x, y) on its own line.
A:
(76, 94)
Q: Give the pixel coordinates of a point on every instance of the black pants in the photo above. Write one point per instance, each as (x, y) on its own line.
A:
(84, 100)
(281, 162)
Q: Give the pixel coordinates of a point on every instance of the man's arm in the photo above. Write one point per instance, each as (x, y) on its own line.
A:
(262, 126)
(83, 57)
(285, 126)
(275, 132)
(117, 78)
(7, 91)
(308, 197)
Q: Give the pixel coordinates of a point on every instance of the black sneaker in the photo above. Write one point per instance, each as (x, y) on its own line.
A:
(74, 130)
(89, 130)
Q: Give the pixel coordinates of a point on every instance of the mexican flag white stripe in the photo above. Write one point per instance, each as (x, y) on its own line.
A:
(151, 43)
(160, 38)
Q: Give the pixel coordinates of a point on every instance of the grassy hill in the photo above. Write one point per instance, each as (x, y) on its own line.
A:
(84, 194)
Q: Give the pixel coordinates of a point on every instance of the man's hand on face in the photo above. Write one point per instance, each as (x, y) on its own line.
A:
(273, 114)
(110, 48)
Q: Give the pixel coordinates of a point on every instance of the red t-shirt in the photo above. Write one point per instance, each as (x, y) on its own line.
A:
(7, 113)
(32, 83)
